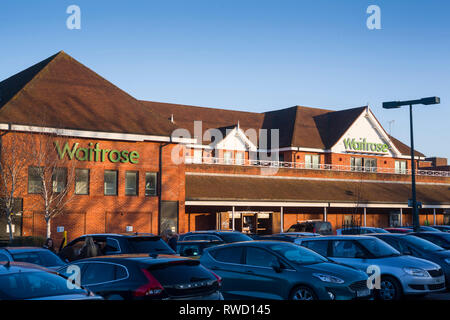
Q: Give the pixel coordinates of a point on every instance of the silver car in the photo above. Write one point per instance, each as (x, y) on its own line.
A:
(400, 275)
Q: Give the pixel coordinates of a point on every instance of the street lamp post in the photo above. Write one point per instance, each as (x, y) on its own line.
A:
(398, 104)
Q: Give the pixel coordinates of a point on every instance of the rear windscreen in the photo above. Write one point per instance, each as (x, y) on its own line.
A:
(180, 273)
(235, 237)
(149, 245)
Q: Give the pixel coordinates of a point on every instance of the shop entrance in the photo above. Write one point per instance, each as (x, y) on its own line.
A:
(251, 222)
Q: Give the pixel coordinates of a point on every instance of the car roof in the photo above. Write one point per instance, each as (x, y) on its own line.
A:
(146, 258)
(213, 231)
(119, 235)
(23, 249)
(14, 267)
(339, 237)
(198, 241)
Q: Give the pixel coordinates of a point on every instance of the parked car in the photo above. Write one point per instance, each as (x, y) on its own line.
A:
(38, 256)
(422, 228)
(282, 270)
(442, 228)
(112, 243)
(287, 236)
(138, 277)
(360, 230)
(194, 248)
(25, 281)
(398, 230)
(224, 236)
(400, 275)
(441, 239)
(409, 244)
(314, 226)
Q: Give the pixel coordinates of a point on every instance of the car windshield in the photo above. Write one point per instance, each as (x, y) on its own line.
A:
(378, 248)
(43, 258)
(234, 237)
(31, 285)
(149, 245)
(298, 255)
(423, 244)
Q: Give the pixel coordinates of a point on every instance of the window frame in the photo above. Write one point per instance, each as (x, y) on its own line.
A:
(87, 183)
(116, 182)
(40, 180)
(156, 184)
(136, 187)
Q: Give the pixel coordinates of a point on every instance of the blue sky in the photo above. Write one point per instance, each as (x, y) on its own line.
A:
(253, 55)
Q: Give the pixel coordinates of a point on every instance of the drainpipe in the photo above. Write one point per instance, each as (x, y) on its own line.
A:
(159, 189)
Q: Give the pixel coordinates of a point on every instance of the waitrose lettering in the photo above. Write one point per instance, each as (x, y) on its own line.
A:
(94, 153)
(363, 145)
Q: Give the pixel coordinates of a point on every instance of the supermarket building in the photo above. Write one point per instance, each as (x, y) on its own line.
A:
(136, 172)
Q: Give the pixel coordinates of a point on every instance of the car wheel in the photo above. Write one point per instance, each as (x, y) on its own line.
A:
(303, 293)
(390, 289)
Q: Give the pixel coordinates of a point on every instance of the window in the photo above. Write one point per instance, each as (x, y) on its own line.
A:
(3, 257)
(321, 247)
(400, 167)
(227, 156)
(260, 258)
(98, 273)
(34, 180)
(239, 158)
(363, 164)
(197, 156)
(150, 183)
(229, 255)
(202, 237)
(59, 179)
(312, 161)
(110, 183)
(81, 181)
(346, 249)
(131, 183)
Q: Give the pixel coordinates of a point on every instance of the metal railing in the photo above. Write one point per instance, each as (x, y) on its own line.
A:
(311, 166)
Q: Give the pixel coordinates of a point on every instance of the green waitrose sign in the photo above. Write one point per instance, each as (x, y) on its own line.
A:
(94, 153)
(363, 145)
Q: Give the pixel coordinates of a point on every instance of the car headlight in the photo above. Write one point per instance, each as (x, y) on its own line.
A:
(416, 272)
(447, 260)
(328, 278)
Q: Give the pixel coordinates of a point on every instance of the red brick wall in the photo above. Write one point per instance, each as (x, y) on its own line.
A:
(95, 213)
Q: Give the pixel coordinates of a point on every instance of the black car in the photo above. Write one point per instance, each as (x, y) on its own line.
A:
(442, 228)
(422, 228)
(194, 248)
(222, 236)
(137, 277)
(409, 244)
(112, 243)
(24, 281)
(442, 239)
(314, 226)
(38, 256)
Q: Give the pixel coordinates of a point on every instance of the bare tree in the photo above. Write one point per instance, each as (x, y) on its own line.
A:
(54, 176)
(14, 159)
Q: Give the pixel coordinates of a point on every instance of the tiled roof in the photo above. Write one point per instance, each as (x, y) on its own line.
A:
(204, 187)
(61, 92)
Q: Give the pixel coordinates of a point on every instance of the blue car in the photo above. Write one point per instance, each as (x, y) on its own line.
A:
(281, 270)
(399, 274)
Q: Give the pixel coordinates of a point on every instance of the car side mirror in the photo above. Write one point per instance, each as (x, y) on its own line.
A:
(276, 266)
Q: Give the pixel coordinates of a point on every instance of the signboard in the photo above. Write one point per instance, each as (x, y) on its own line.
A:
(94, 153)
(129, 228)
(60, 229)
(363, 146)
